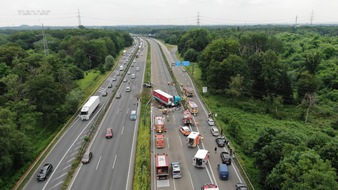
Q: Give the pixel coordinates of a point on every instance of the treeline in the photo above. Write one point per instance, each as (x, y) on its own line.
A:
(292, 73)
(38, 89)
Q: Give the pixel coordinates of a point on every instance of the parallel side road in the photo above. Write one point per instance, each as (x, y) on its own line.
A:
(66, 149)
(209, 141)
(110, 167)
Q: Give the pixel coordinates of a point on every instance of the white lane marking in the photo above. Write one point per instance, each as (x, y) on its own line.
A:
(67, 167)
(98, 163)
(77, 147)
(192, 184)
(57, 184)
(122, 130)
(132, 150)
(168, 142)
(71, 159)
(74, 153)
(181, 141)
(60, 176)
(127, 110)
(114, 162)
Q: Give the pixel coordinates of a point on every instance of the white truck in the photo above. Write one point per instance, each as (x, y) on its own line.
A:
(201, 158)
(89, 107)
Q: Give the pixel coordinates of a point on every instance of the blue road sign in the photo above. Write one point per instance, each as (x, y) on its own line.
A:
(186, 63)
(178, 63)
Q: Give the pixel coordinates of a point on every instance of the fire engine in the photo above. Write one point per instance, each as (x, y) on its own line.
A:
(159, 124)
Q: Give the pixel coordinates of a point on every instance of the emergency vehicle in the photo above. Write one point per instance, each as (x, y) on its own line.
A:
(201, 158)
(193, 108)
(159, 124)
(193, 139)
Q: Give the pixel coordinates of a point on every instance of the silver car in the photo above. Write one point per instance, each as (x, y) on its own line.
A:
(210, 122)
(214, 131)
(176, 170)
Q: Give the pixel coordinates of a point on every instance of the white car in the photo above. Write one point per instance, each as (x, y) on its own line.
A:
(214, 131)
(128, 89)
(210, 121)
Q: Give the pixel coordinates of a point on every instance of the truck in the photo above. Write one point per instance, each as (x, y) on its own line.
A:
(187, 118)
(193, 108)
(89, 107)
(166, 99)
(193, 139)
(159, 140)
(159, 124)
(162, 166)
(201, 158)
(188, 91)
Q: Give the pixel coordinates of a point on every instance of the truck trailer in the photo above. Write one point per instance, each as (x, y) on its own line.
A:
(165, 98)
(162, 166)
(89, 107)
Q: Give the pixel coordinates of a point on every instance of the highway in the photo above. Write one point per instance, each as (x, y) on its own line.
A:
(112, 164)
(176, 148)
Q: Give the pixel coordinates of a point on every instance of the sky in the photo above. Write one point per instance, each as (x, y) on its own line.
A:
(166, 12)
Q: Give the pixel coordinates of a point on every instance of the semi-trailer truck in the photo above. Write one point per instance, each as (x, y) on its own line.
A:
(89, 107)
(166, 98)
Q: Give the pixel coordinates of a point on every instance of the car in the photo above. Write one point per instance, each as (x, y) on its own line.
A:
(132, 65)
(134, 61)
(128, 89)
(129, 73)
(44, 172)
(118, 95)
(137, 68)
(210, 122)
(87, 157)
(114, 79)
(226, 158)
(110, 85)
(133, 115)
(147, 85)
(176, 170)
(220, 141)
(109, 133)
(214, 131)
(240, 186)
(208, 186)
(185, 130)
(104, 93)
(118, 74)
(124, 80)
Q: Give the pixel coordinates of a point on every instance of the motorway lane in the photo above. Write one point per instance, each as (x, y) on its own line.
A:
(192, 178)
(204, 129)
(66, 149)
(113, 157)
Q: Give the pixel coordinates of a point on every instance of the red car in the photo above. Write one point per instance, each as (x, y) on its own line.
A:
(109, 133)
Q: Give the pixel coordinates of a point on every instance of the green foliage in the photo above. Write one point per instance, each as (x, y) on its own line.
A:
(196, 39)
(109, 63)
(302, 170)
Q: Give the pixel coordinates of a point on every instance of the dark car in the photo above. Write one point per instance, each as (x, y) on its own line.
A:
(110, 85)
(87, 157)
(240, 186)
(226, 158)
(45, 172)
(220, 141)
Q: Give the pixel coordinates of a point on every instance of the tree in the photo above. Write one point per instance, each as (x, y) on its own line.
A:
(235, 86)
(196, 39)
(312, 60)
(109, 63)
(191, 55)
(302, 170)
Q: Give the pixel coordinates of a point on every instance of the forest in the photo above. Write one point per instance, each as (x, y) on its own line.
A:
(38, 70)
(275, 89)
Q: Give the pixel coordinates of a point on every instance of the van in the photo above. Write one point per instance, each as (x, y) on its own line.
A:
(133, 76)
(223, 171)
(133, 115)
